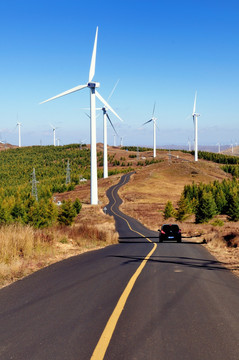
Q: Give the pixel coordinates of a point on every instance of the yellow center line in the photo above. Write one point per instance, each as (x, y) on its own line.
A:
(106, 336)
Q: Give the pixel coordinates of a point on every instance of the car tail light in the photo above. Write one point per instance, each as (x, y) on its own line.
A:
(162, 232)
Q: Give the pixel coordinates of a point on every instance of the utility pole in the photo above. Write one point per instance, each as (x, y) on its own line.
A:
(68, 173)
(34, 185)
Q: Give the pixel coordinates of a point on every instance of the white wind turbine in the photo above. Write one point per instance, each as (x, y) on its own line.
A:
(195, 121)
(93, 93)
(153, 119)
(219, 147)
(19, 134)
(54, 134)
(105, 117)
(121, 141)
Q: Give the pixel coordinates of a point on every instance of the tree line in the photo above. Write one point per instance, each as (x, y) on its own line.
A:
(39, 214)
(206, 201)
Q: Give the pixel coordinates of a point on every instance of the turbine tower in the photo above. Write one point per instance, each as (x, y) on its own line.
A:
(105, 117)
(153, 119)
(121, 141)
(195, 121)
(19, 134)
(219, 148)
(93, 93)
(54, 134)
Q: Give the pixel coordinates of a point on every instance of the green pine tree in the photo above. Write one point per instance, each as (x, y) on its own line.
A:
(67, 213)
(233, 211)
(168, 210)
(77, 205)
(206, 208)
(183, 209)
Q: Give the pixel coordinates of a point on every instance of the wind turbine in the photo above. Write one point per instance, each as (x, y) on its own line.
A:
(105, 117)
(195, 121)
(153, 119)
(219, 147)
(93, 93)
(19, 134)
(121, 141)
(54, 134)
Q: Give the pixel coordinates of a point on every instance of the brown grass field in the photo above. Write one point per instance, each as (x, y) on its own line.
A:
(24, 250)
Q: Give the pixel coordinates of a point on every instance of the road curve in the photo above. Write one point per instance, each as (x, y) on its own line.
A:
(135, 300)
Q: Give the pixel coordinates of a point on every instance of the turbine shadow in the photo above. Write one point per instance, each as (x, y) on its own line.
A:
(204, 264)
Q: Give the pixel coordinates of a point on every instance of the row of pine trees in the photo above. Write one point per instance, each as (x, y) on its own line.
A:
(39, 214)
(206, 201)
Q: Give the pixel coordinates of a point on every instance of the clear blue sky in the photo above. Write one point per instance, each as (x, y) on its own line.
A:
(160, 50)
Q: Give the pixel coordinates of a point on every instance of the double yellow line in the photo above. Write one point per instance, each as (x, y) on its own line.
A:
(106, 336)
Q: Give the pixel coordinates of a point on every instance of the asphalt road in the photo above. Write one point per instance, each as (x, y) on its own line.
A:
(135, 300)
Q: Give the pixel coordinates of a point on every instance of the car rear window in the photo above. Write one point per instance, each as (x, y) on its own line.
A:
(168, 228)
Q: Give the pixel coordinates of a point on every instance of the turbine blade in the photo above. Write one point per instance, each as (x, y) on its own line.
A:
(93, 58)
(194, 105)
(79, 87)
(153, 109)
(112, 92)
(147, 122)
(87, 115)
(111, 124)
(107, 105)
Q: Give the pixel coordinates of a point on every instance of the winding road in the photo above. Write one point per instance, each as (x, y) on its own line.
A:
(139, 299)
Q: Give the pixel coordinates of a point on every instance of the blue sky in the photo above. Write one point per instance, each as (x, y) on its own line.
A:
(160, 50)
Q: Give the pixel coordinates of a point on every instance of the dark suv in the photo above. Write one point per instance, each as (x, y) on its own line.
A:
(170, 232)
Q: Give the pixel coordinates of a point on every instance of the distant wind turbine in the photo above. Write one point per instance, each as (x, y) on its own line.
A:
(153, 119)
(93, 93)
(219, 148)
(54, 134)
(19, 134)
(195, 121)
(121, 140)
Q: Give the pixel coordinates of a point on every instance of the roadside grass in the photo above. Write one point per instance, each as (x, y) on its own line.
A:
(24, 249)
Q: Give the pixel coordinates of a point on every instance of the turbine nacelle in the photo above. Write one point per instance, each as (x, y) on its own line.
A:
(93, 85)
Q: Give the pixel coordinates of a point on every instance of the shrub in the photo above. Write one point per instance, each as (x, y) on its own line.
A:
(67, 213)
(217, 222)
(77, 205)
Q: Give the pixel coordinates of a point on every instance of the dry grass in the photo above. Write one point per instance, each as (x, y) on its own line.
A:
(24, 250)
